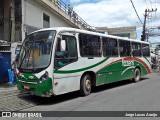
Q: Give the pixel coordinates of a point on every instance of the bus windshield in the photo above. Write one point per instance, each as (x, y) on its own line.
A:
(36, 51)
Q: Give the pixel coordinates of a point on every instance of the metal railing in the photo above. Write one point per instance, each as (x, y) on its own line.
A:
(73, 15)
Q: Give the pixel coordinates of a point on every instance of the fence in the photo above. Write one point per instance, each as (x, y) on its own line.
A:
(69, 10)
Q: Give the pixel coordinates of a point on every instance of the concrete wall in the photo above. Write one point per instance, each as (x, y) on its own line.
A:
(1, 19)
(119, 31)
(6, 17)
(32, 14)
(123, 30)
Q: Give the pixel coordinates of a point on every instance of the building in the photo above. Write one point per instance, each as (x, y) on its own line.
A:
(129, 32)
(21, 17)
(153, 47)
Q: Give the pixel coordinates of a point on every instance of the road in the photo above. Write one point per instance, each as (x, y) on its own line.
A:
(121, 96)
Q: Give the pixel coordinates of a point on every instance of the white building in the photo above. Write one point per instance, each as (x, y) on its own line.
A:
(128, 32)
(20, 17)
(153, 46)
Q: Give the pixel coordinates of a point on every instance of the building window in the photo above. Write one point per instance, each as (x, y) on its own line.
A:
(136, 49)
(89, 45)
(124, 48)
(145, 50)
(109, 47)
(46, 21)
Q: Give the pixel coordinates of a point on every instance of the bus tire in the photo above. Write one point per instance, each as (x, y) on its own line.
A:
(85, 85)
(137, 75)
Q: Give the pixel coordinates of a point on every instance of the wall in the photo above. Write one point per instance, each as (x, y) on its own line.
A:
(32, 14)
(1, 19)
(119, 31)
(6, 20)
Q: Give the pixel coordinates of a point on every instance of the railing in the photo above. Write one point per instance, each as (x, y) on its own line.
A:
(73, 15)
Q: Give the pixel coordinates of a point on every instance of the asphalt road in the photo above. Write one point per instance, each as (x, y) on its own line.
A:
(121, 96)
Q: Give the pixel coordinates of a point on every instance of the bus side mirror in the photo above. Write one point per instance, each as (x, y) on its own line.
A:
(63, 45)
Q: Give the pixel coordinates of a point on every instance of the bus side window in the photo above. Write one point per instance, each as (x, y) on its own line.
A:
(145, 50)
(136, 49)
(125, 48)
(90, 45)
(110, 47)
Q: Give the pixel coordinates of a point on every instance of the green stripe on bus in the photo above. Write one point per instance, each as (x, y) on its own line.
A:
(79, 70)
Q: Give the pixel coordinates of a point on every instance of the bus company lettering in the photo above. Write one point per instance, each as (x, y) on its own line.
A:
(126, 63)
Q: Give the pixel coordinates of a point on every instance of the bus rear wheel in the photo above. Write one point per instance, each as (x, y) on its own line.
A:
(85, 85)
(137, 75)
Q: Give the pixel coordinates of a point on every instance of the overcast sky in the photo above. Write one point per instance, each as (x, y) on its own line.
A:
(116, 13)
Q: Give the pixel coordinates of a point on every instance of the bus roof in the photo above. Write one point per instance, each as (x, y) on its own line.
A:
(69, 29)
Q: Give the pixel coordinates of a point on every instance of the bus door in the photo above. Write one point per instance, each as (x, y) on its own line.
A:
(65, 56)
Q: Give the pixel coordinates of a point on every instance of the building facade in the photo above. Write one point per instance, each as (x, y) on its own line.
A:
(128, 32)
(21, 17)
(155, 46)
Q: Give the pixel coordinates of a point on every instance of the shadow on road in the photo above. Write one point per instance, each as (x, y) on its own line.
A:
(144, 79)
(114, 85)
(49, 100)
(73, 95)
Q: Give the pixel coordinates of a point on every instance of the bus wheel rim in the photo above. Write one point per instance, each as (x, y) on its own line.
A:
(137, 75)
(88, 85)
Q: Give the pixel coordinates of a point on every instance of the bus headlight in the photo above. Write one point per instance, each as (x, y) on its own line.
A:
(44, 77)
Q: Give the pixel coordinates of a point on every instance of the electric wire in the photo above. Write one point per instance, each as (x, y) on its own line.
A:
(136, 12)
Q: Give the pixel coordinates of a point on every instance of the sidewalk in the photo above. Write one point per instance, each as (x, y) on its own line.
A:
(11, 100)
(7, 89)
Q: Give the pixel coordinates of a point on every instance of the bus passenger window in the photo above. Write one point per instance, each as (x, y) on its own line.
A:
(125, 48)
(110, 47)
(136, 49)
(89, 45)
(145, 50)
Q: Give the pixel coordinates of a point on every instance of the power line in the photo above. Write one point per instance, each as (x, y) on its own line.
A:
(136, 12)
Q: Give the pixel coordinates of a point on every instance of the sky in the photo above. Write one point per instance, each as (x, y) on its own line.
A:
(117, 13)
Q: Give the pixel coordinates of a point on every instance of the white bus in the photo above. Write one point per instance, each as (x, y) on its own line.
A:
(60, 60)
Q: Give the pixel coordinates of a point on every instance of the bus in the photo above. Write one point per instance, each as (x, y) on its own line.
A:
(60, 60)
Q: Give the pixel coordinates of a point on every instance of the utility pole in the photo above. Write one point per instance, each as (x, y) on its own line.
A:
(143, 36)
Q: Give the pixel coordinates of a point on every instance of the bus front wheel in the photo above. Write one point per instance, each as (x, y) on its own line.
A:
(85, 85)
(137, 75)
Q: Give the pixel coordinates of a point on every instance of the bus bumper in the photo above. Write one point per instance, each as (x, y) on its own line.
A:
(44, 89)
